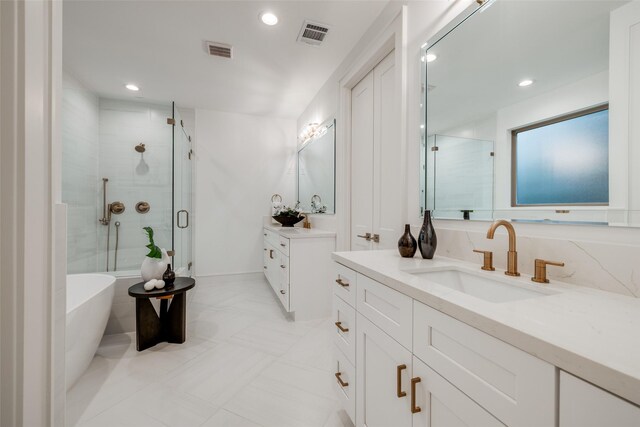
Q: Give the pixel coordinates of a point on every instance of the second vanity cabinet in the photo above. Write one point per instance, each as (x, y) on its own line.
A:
(414, 366)
(296, 263)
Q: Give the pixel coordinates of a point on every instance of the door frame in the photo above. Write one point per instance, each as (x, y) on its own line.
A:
(392, 37)
(33, 220)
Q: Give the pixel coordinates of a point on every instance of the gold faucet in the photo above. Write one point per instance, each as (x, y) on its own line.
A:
(512, 255)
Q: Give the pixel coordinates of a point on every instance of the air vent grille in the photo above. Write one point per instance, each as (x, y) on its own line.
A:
(313, 33)
(219, 49)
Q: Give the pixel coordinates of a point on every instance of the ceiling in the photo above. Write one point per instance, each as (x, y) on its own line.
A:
(159, 45)
(481, 62)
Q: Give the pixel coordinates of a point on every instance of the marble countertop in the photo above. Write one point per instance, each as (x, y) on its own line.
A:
(592, 334)
(299, 232)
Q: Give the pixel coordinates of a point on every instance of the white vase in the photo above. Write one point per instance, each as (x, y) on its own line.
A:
(154, 268)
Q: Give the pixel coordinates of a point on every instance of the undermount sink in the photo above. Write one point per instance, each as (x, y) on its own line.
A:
(479, 286)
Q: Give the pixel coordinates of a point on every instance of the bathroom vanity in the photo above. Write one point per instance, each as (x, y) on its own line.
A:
(297, 265)
(441, 343)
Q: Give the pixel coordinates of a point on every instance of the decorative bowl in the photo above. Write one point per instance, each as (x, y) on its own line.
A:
(287, 220)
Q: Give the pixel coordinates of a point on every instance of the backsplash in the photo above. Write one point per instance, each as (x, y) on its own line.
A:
(604, 266)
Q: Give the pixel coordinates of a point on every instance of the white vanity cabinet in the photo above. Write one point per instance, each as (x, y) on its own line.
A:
(417, 367)
(585, 405)
(297, 262)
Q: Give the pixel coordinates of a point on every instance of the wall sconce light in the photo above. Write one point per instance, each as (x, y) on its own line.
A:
(308, 132)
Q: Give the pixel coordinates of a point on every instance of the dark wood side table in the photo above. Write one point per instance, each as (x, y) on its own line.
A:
(170, 325)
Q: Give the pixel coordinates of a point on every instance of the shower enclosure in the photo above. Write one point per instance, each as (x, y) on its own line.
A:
(126, 165)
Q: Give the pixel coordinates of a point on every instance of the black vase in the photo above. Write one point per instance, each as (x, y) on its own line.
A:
(427, 241)
(407, 245)
(169, 277)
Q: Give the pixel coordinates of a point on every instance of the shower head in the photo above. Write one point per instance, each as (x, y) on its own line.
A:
(140, 148)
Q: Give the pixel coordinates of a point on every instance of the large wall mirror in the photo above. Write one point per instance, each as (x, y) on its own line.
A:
(317, 171)
(518, 115)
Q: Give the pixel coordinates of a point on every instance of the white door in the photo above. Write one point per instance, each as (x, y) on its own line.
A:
(377, 183)
(362, 163)
(388, 181)
(383, 370)
(440, 404)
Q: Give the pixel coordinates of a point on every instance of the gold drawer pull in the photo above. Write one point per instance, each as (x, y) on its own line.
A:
(399, 391)
(342, 383)
(341, 283)
(414, 409)
(342, 328)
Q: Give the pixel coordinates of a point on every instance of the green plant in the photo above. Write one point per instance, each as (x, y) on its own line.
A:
(154, 251)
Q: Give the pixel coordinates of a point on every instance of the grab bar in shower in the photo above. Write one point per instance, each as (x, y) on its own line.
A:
(115, 257)
(105, 210)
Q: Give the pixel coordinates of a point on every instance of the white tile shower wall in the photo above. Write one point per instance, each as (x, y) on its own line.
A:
(592, 258)
(241, 160)
(135, 177)
(80, 173)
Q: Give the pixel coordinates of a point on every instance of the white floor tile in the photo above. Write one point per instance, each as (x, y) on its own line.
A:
(224, 418)
(244, 364)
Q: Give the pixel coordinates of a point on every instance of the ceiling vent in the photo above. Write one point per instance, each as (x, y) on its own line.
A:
(313, 33)
(219, 49)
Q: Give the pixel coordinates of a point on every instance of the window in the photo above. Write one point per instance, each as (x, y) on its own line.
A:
(564, 161)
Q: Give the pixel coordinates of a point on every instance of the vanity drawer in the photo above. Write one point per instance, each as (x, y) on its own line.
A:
(346, 390)
(344, 318)
(271, 237)
(283, 245)
(514, 386)
(344, 283)
(388, 309)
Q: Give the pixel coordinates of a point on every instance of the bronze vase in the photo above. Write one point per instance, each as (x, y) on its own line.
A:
(407, 245)
(427, 240)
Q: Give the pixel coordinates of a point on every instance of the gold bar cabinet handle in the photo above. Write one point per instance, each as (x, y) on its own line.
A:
(414, 409)
(342, 383)
(341, 283)
(399, 391)
(342, 328)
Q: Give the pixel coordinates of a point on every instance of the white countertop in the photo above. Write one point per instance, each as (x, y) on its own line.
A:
(299, 232)
(592, 334)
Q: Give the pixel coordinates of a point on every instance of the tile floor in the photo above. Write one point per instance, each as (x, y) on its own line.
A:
(243, 364)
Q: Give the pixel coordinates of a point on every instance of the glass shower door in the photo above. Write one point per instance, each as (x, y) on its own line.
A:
(182, 198)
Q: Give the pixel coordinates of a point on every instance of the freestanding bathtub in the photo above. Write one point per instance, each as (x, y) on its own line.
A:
(89, 299)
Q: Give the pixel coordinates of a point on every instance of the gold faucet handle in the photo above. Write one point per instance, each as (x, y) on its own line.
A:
(541, 270)
(488, 260)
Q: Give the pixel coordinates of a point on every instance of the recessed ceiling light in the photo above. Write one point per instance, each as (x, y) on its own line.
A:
(431, 57)
(269, 18)
(132, 87)
(525, 83)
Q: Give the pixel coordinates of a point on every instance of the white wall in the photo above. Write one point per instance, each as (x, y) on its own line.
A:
(80, 173)
(241, 161)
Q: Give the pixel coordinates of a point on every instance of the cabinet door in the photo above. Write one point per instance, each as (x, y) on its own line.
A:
(585, 405)
(443, 405)
(361, 163)
(383, 368)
